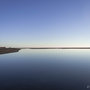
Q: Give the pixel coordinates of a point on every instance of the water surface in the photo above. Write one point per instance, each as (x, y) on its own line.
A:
(45, 70)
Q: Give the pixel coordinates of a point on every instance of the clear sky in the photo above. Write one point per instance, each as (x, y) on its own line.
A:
(44, 23)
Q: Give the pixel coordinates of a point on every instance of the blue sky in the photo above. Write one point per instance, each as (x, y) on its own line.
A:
(44, 23)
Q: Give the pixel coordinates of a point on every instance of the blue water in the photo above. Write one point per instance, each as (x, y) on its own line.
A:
(45, 70)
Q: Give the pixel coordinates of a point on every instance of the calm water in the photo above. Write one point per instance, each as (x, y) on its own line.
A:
(45, 70)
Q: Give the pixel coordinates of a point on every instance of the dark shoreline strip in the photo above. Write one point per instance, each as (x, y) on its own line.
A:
(62, 48)
(8, 50)
(55, 48)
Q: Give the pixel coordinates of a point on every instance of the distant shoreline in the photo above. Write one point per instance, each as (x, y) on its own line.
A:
(4, 50)
(55, 48)
(18, 48)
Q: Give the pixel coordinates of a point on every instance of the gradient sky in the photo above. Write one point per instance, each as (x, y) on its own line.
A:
(44, 23)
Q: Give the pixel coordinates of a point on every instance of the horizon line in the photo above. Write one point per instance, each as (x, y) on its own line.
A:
(57, 47)
(54, 47)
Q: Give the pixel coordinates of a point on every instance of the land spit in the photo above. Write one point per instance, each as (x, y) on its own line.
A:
(4, 50)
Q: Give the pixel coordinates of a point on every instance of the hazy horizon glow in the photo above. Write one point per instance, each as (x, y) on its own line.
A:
(44, 23)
